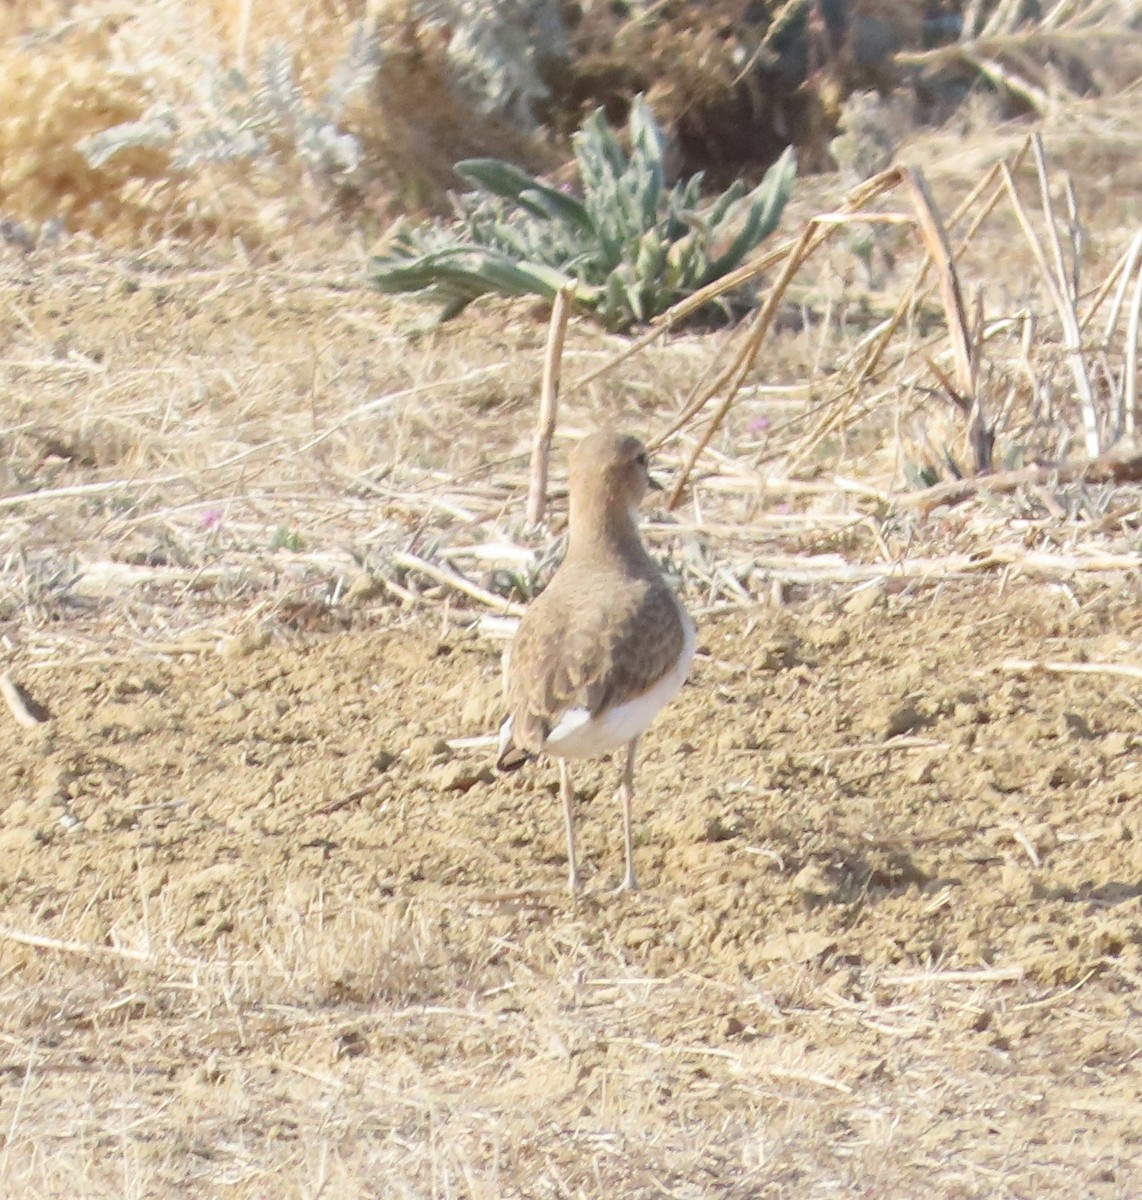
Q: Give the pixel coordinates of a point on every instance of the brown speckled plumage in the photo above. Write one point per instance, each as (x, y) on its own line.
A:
(589, 647)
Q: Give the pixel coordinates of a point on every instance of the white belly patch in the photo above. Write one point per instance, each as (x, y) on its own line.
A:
(579, 735)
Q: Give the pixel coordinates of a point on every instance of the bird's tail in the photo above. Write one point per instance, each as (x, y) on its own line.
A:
(511, 757)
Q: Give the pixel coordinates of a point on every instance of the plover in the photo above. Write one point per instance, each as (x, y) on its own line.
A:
(606, 645)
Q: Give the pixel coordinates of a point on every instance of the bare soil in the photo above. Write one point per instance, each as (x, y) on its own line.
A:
(888, 941)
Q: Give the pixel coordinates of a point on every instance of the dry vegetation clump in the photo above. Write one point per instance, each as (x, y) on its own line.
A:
(419, 125)
(67, 81)
(413, 122)
(738, 85)
(735, 87)
(232, 119)
(54, 91)
(221, 127)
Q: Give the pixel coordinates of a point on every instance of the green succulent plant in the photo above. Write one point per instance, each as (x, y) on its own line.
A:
(629, 248)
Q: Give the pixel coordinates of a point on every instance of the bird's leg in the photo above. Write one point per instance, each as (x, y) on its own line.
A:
(569, 820)
(626, 795)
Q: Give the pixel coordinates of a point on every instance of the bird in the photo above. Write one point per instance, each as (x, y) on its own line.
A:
(606, 645)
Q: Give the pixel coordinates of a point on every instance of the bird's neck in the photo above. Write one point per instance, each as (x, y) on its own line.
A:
(600, 529)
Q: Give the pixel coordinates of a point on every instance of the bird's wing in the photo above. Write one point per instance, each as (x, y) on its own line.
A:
(593, 656)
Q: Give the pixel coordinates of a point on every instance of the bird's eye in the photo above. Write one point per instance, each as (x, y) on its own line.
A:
(642, 460)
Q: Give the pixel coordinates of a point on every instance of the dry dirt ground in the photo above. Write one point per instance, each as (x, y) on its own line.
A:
(889, 942)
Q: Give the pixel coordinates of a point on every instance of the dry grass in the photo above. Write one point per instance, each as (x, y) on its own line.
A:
(359, 1051)
(281, 460)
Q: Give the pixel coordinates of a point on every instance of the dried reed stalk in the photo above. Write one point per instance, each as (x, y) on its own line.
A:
(86, 949)
(1128, 401)
(457, 582)
(965, 348)
(1120, 275)
(665, 322)
(47, 495)
(816, 232)
(813, 236)
(935, 240)
(1103, 469)
(242, 41)
(26, 711)
(1027, 665)
(836, 406)
(735, 374)
(1059, 292)
(910, 300)
(548, 403)
(1010, 974)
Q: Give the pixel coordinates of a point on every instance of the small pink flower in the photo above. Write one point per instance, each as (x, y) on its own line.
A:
(759, 425)
(211, 519)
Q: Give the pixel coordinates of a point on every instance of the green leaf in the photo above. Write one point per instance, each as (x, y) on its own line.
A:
(510, 183)
(496, 176)
(716, 213)
(561, 207)
(647, 149)
(614, 308)
(765, 205)
(600, 157)
(468, 271)
(523, 278)
(680, 273)
(651, 256)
